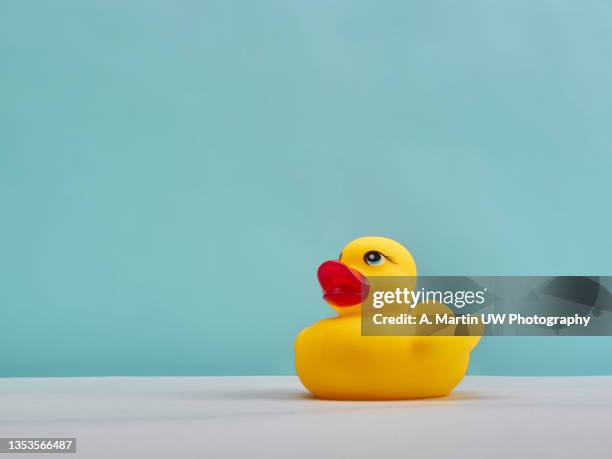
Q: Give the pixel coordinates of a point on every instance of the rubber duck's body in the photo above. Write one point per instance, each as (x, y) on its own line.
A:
(333, 359)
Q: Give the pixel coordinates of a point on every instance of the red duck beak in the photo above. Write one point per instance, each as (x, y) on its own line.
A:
(342, 286)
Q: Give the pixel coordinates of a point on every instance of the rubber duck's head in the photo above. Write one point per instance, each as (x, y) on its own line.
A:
(344, 282)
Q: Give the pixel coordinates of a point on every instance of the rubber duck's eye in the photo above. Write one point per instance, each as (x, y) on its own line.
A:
(374, 258)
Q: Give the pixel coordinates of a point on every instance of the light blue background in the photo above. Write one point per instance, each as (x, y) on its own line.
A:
(172, 173)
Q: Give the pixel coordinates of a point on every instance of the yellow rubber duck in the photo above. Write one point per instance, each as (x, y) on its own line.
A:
(334, 361)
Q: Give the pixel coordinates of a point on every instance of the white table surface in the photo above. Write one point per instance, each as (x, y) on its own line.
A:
(269, 417)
